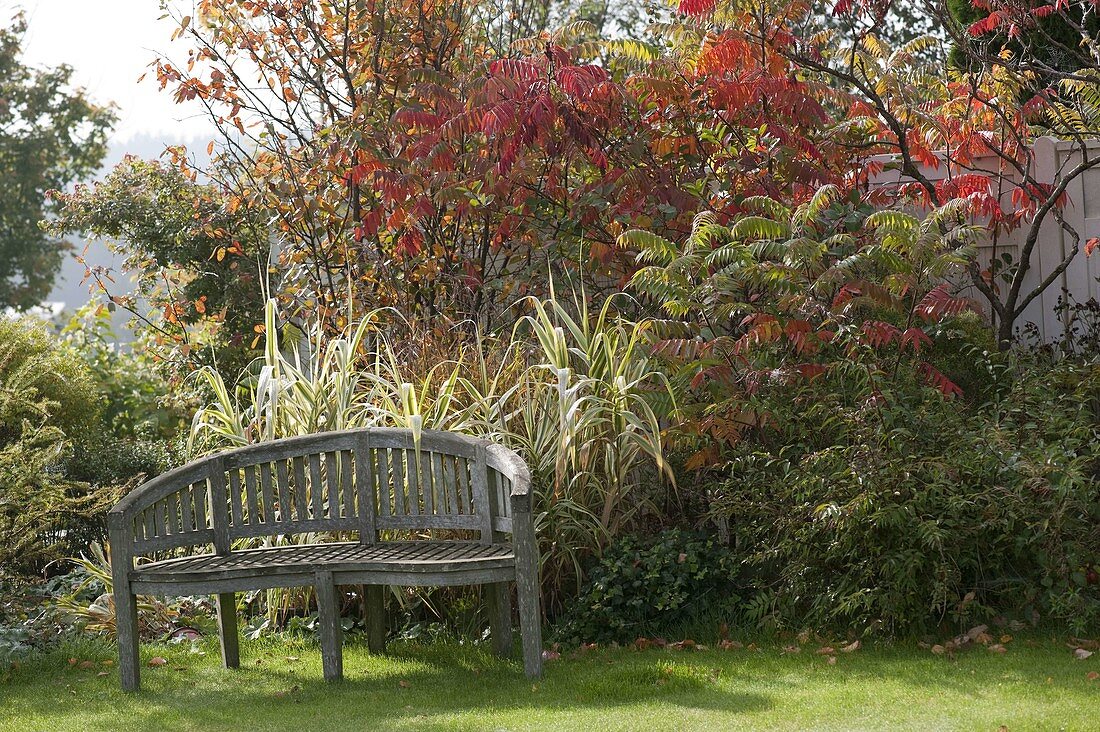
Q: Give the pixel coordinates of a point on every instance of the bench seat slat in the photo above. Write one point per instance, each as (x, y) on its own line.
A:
(411, 556)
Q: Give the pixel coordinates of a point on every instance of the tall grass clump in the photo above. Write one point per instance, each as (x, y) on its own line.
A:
(575, 392)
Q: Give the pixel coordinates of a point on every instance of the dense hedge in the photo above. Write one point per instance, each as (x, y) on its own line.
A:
(908, 510)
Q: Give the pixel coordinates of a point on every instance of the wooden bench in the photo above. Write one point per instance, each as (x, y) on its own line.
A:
(376, 491)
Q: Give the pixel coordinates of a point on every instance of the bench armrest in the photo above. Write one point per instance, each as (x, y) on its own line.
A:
(515, 469)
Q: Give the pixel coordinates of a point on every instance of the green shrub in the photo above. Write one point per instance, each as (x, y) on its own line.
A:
(66, 447)
(898, 510)
(645, 585)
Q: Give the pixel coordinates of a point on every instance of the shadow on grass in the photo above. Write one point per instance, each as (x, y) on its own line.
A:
(280, 687)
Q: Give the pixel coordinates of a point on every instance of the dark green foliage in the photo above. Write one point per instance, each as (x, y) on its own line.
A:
(50, 136)
(899, 511)
(644, 585)
(1054, 42)
(67, 441)
(44, 392)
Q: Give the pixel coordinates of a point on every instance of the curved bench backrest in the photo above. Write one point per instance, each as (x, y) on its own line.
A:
(363, 481)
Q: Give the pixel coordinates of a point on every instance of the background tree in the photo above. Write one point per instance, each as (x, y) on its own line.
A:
(50, 136)
(199, 263)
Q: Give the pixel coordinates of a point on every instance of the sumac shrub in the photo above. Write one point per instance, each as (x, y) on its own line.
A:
(898, 510)
(642, 586)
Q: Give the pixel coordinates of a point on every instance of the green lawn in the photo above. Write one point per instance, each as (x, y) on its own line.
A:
(1035, 685)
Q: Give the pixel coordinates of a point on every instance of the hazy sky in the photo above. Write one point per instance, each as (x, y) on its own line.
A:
(109, 44)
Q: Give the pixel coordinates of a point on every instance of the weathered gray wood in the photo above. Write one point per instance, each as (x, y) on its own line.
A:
(298, 527)
(159, 520)
(347, 488)
(148, 523)
(332, 485)
(162, 485)
(218, 502)
(412, 463)
(329, 626)
(202, 496)
(164, 543)
(498, 599)
(316, 489)
(364, 488)
(305, 578)
(266, 452)
(286, 503)
(376, 618)
(267, 493)
(528, 592)
(252, 502)
(462, 485)
(385, 495)
(441, 481)
(300, 490)
(427, 483)
(439, 484)
(126, 618)
(237, 512)
(450, 485)
(187, 520)
(462, 521)
(172, 510)
(226, 603)
(480, 505)
(397, 481)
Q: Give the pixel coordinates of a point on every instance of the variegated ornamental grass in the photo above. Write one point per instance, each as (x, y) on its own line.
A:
(578, 396)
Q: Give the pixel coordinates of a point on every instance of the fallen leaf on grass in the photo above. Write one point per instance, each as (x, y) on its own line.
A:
(1081, 654)
(791, 649)
(72, 661)
(103, 673)
(976, 631)
(938, 649)
(86, 665)
(403, 684)
(1006, 638)
(157, 661)
(825, 651)
(998, 648)
(832, 660)
(292, 690)
(730, 645)
(1092, 675)
(687, 644)
(108, 662)
(292, 659)
(851, 647)
(550, 655)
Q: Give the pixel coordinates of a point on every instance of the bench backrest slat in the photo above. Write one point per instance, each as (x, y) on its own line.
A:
(359, 481)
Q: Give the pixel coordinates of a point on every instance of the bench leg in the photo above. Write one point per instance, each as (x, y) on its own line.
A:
(226, 603)
(375, 596)
(528, 592)
(329, 620)
(126, 624)
(499, 599)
